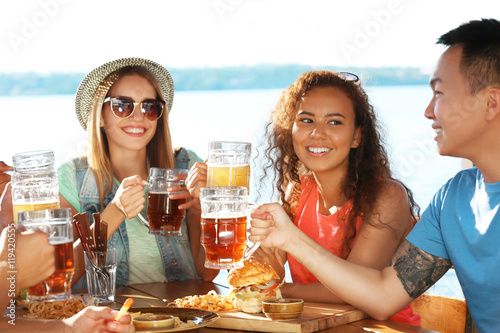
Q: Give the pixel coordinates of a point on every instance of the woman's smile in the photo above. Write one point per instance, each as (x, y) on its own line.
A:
(319, 151)
(134, 130)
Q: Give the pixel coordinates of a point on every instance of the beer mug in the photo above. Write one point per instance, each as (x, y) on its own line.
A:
(34, 182)
(165, 218)
(57, 224)
(224, 226)
(229, 164)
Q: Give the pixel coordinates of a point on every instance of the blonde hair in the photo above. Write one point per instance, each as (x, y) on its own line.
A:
(160, 152)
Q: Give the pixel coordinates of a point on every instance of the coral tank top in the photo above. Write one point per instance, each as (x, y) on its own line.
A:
(327, 232)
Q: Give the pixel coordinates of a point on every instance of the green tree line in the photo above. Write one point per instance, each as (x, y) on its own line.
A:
(238, 77)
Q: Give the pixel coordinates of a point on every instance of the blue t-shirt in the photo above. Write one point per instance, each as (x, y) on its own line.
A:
(462, 223)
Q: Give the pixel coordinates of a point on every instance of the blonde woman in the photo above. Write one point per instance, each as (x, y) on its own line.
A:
(124, 106)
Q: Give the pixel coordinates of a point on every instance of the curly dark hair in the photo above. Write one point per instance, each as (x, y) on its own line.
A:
(368, 163)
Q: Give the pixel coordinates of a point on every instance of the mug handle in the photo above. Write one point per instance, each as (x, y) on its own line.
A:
(141, 218)
(250, 250)
(144, 220)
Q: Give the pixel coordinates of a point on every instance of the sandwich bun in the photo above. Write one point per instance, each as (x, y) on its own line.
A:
(253, 271)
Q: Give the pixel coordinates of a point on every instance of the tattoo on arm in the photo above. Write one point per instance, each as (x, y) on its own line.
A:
(416, 269)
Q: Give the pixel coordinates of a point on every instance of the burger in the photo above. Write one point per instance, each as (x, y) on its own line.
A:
(253, 283)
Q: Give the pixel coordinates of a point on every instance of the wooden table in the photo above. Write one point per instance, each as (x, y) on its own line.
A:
(160, 294)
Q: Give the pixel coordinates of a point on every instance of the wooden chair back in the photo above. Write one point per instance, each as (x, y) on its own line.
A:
(443, 314)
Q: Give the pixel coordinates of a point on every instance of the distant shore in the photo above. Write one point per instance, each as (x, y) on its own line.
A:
(265, 76)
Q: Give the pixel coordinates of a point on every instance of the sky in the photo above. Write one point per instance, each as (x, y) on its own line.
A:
(79, 35)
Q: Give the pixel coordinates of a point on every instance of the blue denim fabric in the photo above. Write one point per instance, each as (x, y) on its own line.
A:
(176, 254)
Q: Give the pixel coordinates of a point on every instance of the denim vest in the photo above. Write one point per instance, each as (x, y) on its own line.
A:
(176, 253)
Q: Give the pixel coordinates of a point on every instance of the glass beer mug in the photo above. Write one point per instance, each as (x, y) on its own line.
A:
(229, 164)
(34, 182)
(165, 218)
(56, 223)
(224, 226)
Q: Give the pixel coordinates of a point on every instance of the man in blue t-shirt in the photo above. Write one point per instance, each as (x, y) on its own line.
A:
(461, 226)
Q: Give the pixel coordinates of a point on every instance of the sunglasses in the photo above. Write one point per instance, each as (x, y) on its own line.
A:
(346, 76)
(123, 107)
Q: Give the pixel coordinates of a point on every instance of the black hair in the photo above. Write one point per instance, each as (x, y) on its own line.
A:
(480, 42)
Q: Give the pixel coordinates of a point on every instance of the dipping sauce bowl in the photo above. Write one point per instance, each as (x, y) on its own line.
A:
(153, 322)
(283, 309)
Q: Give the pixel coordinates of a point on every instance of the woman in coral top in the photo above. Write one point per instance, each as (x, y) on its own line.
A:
(333, 176)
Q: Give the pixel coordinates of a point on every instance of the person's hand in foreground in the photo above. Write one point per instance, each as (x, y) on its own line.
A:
(90, 320)
(31, 266)
(98, 319)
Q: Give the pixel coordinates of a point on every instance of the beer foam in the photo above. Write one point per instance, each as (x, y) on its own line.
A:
(37, 201)
(223, 215)
(228, 165)
(58, 240)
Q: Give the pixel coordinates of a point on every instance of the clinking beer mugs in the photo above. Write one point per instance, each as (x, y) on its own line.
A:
(224, 204)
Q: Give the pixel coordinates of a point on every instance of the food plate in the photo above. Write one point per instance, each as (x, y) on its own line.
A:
(22, 306)
(201, 318)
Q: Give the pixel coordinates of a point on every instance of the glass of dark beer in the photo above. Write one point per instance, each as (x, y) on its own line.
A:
(57, 224)
(224, 225)
(164, 215)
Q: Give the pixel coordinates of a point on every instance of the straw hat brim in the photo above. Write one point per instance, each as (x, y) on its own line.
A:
(90, 83)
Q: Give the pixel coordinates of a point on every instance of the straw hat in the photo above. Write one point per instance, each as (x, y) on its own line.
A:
(91, 82)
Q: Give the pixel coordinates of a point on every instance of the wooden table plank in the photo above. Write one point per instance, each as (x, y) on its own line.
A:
(166, 292)
(198, 287)
(163, 291)
(140, 299)
(122, 293)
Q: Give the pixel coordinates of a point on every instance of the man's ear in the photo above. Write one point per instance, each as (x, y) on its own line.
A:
(493, 106)
(357, 138)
